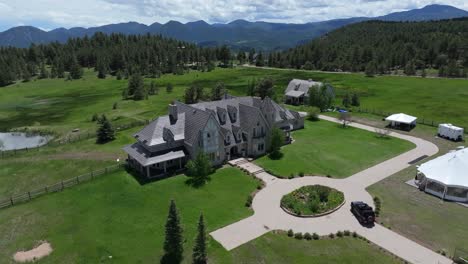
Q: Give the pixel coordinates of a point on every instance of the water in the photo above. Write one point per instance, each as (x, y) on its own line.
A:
(15, 140)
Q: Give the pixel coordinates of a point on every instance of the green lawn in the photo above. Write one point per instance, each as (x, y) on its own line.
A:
(61, 106)
(116, 216)
(279, 248)
(326, 148)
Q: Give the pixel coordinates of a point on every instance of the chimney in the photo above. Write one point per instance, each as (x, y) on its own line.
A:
(173, 112)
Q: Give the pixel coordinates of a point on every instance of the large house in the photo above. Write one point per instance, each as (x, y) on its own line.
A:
(224, 129)
(298, 91)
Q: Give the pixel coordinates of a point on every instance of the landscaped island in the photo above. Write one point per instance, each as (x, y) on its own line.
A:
(312, 200)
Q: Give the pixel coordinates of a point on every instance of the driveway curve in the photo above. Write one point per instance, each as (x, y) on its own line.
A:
(268, 214)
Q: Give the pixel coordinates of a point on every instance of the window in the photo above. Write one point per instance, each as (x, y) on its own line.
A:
(261, 147)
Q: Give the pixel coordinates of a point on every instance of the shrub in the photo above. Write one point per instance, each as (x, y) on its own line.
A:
(307, 236)
(291, 176)
(347, 233)
(95, 118)
(298, 236)
(315, 236)
(290, 233)
(378, 205)
(313, 113)
(339, 234)
(259, 186)
(248, 203)
(331, 235)
(115, 106)
(355, 234)
(301, 174)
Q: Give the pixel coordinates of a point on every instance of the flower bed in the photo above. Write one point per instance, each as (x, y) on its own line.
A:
(313, 200)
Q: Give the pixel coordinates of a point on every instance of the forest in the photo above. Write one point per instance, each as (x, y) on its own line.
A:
(378, 47)
(117, 54)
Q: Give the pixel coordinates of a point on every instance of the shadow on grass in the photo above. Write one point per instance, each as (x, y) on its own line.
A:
(276, 155)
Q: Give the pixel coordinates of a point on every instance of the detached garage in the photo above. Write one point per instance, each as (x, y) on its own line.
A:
(446, 176)
(402, 121)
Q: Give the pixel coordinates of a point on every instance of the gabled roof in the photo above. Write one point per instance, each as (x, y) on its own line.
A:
(450, 169)
(196, 120)
(301, 85)
(153, 134)
(143, 157)
(401, 118)
(295, 93)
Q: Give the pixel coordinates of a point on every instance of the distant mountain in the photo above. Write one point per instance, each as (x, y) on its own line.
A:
(238, 34)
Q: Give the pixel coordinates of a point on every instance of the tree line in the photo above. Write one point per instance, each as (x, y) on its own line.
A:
(117, 54)
(378, 47)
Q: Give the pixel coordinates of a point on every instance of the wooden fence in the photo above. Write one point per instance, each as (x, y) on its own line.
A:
(422, 121)
(69, 139)
(57, 187)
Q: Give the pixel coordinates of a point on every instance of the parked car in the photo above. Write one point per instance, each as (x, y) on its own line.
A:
(363, 212)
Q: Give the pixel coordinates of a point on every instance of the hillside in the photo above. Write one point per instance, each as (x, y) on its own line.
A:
(385, 46)
(238, 34)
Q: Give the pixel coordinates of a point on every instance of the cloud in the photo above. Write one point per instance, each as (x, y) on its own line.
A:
(86, 13)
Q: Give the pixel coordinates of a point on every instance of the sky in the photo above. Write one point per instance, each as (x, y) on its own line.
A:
(50, 14)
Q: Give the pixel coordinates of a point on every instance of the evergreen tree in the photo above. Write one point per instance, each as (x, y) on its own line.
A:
(199, 255)
(76, 72)
(136, 88)
(217, 91)
(119, 75)
(260, 60)
(105, 132)
(355, 101)
(153, 89)
(370, 69)
(264, 88)
(173, 243)
(169, 88)
(346, 100)
(410, 68)
(44, 73)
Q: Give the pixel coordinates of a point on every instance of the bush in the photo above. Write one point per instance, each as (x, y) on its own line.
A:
(291, 176)
(301, 174)
(315, 236)
(248, 203)
(355, 235)
(331, 235)
(347, 233)
(259, 186)
(378, 205)
(115, 106)
(313, 113)
(298, 236)
(290, 233)
(307, 236)
(339, 234)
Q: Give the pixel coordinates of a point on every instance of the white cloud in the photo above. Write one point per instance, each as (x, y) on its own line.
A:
(59, 13)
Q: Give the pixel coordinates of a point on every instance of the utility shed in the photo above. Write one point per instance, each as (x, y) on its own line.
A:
(451, 132)
(401, 121)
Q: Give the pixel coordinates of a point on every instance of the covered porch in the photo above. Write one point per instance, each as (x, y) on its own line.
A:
(295, 97)
(155, 166)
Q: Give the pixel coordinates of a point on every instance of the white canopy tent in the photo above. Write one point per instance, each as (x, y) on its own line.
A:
(446, 176)
(401, 120)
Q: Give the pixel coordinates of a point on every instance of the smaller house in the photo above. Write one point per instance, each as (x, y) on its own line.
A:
(298, 91)
(446, 176)
(402, 121)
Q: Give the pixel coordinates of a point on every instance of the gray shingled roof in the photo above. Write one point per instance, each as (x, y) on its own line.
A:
(295, 93)
(301, 85)
(152, 134)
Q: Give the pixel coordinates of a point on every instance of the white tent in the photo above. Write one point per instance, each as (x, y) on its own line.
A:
(401, 120)
(447, 176)
(450, 131)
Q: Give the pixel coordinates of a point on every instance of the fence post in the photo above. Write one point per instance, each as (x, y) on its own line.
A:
(105, 170)
(62, 185)
(46, 189)
(92, 175)
(11, 200)
(77, 180)
(29, 195)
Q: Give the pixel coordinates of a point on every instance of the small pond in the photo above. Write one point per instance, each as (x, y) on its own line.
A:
(16, 140)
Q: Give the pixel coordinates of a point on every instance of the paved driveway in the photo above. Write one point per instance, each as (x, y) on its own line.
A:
(269, 216)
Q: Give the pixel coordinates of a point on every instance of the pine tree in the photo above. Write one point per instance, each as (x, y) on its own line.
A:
(153, 89)
(76, 72)
(217, 91)
(169, 88)
(355, 101)
(136, 88)
(105, 132)
(277, 140)
(199, 169)
(265, 88)
(199, 255)
(173, 248)
(346, 100)
(44, 73)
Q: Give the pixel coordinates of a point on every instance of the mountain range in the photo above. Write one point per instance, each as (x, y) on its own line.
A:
(238, 34)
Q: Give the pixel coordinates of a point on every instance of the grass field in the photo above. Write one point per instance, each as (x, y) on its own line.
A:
(325, 148)
(278, 248)
(116, 216)
(61, 106)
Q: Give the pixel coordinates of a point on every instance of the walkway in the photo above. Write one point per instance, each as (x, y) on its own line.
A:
(269, 216)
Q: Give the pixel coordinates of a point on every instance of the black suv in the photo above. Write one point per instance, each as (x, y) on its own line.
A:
(363, 212)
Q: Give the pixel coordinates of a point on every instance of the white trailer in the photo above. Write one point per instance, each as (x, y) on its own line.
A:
(450, 131)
